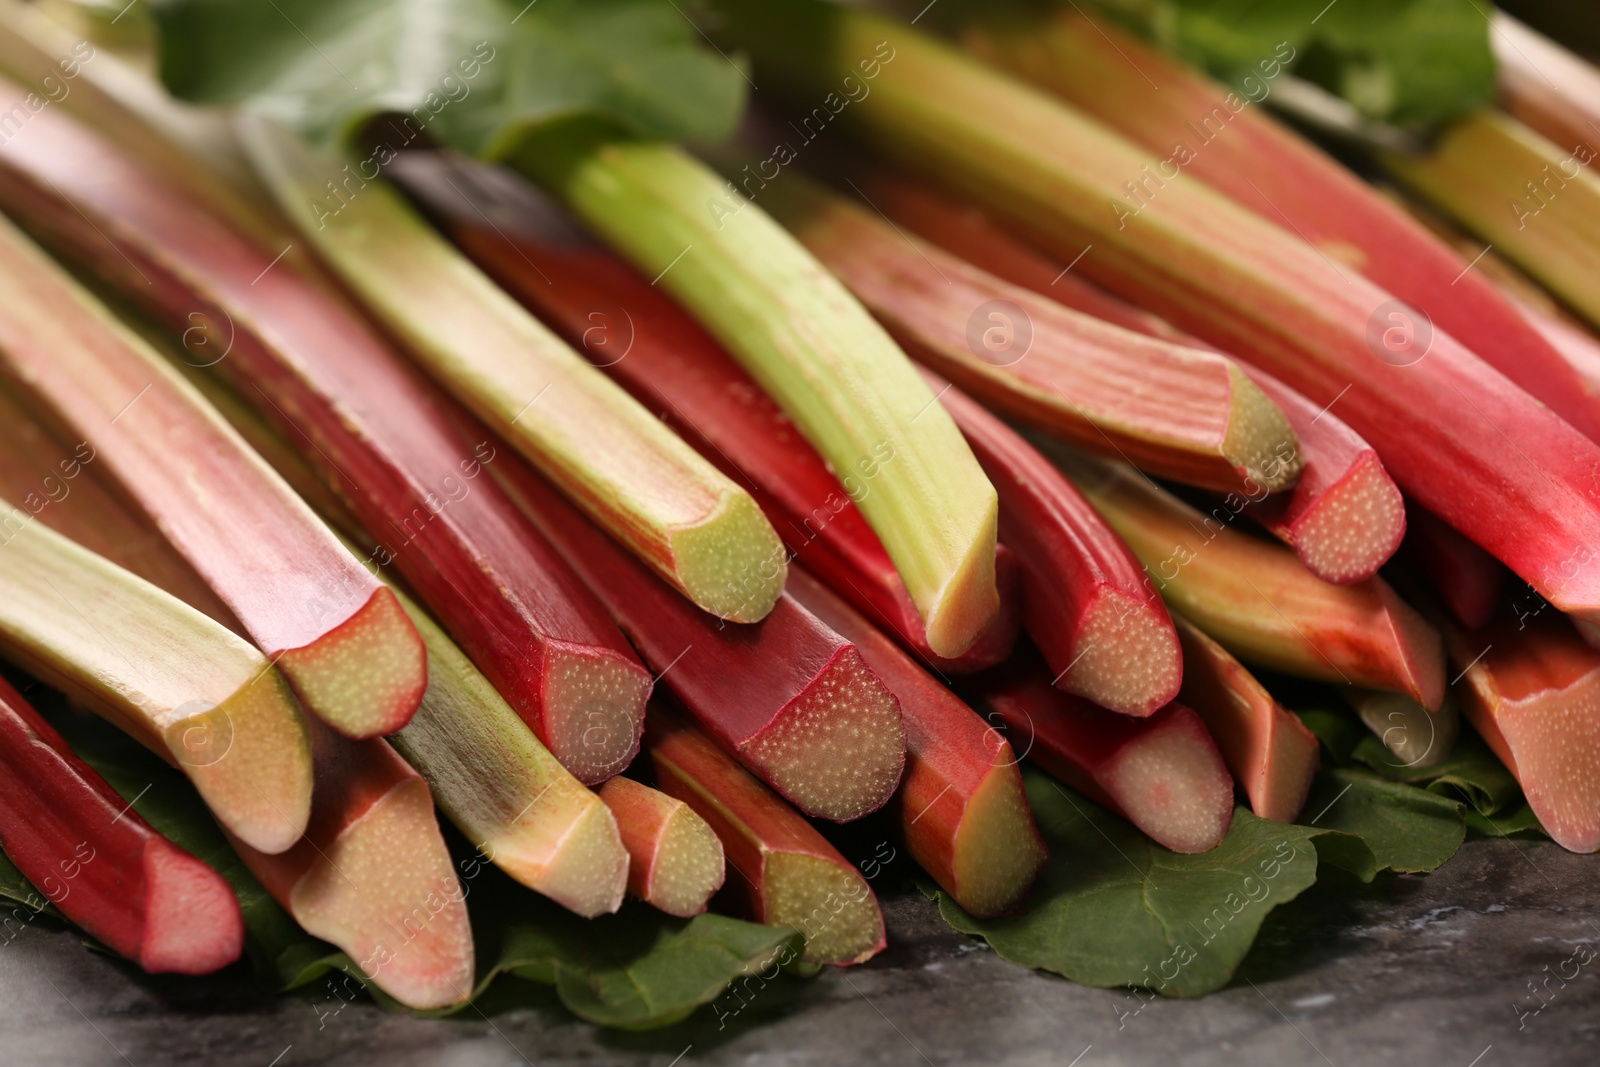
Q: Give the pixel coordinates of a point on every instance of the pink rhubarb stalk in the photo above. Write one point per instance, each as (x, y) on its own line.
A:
(330, 626)
(1268, 749)
(1551, 89)
(101, 864)
(1162, 773)
(377, 435)
(1344, 517)
(609, 312)
(788, 874)
(1472, 584)
(675, 860)
(1085, 601)
(792, 699)
(961, 808)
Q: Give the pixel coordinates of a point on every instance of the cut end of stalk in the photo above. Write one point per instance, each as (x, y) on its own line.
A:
(385, 893)
(1354, 527)
(837, 751)
(250, 758)
(366, 677)
(688, 867)
(594, 710)
(998, 849)
(1418, 666)
(178, 888)
(831, 906)
(970, 600)
(1143, 777)
(1415, 736)
(1127, 656)
(1556, 746)
(588, 873)
(1260, 443)
(732, 563)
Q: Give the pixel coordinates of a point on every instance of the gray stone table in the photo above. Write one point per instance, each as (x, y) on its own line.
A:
(1414, 971)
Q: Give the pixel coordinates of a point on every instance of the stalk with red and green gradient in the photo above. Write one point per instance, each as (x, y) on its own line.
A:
(792, 699)
(961, 808)
(1531, 686)
(1085, 601)
(179, 683)
(330, 626)
(652, 492)
(1542, 84)
(1220, 272)
(1182, 413)
(1269, 751)
(609, 312)
(1344, 517)
(102, 865)
(788, 874)
(675, 860)
(378, 437)
(810, 345)
(1162, 773)
(1256, 599)
(373, 875)
(1250, 157)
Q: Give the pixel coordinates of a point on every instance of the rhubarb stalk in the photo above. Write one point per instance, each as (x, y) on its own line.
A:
(961, 808)
(377, 435)
(1186, 414)
(1162, 773)
(102, 865)
(1471, 584)
(851, 392)
(1542, 84)
(1220, 272)
(792, 699)
(180, 684)
(652, 492)
(1086, 604)
(1344, 517)
(675, 861)
(1260, 602)
(788, 874)
(1415, 736)
(332, 628)
(1269, 751)
(1216, 136)
(611, 313)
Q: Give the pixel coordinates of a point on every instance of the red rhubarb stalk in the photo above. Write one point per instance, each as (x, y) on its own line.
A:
(102, 865)
(1085, 601)
(609, 312)
(331, 627)
(1217, 270)
(1186, 414)
(1344, 517)
(373, 876)
(1269, 751)
(1530, 690)
(961, 808)
(1162, 773)
(179, 683)
(1472, 584)
(1257, 600)
(1243, 152)
(788, 874)
(674, 859)
(377, 435)
(792, 699)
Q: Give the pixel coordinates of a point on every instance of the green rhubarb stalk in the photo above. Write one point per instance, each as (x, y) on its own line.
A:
(178, 682)
(653, 493)
(847, 386)
(503, 789)
(1535, 200)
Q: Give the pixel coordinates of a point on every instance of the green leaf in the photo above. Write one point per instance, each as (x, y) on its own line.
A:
(1408, 829)
(1520, 820)
(1471, 771)
(1339, 731)
(1112, 908)
(475, 74)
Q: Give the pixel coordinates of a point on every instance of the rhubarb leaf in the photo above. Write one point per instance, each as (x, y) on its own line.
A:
(1472, 772)
(1408, 829)
(473, 73)
(1112, 908)
(1520, 820)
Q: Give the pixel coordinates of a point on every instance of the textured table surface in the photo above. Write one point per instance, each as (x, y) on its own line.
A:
(1435, 970)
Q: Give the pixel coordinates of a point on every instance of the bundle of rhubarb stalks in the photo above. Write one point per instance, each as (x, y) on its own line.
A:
(617, 519)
